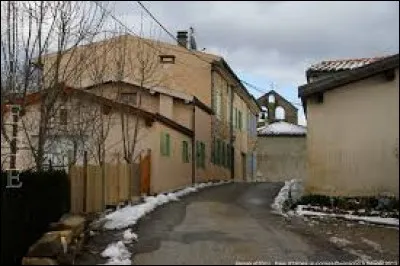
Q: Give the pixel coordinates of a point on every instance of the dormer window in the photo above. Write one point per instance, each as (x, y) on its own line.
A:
(167, 59)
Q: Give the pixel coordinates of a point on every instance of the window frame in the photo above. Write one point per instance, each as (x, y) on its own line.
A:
(167, 59)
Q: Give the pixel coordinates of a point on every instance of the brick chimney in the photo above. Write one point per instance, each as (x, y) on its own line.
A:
(182, 38)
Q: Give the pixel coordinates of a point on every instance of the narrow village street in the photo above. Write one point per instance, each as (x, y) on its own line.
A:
(234, 223)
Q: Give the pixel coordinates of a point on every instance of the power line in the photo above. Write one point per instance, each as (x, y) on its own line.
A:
(173, 37)
(148, 42)
(158, 22)
(167, 31)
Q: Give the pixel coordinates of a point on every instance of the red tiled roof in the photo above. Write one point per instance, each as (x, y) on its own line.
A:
(343, 64)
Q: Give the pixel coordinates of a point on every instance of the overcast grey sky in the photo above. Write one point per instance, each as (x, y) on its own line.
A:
(276, 41)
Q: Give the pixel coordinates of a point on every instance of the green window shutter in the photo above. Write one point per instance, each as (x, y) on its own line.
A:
(227, 155)
(162, 145)
(223, 154)
(240, 120)
(220, 161)
(217, 153)
(197, 154)
(234, 117)
(168, 145)
(185, 152)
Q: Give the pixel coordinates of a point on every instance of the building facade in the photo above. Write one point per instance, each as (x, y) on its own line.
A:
(353, 131)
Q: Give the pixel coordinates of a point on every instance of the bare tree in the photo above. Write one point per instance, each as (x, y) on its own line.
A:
(39, 53)
(145, 68)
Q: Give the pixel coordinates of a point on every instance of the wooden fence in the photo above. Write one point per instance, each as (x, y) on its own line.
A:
(91, 191)
(93, 187)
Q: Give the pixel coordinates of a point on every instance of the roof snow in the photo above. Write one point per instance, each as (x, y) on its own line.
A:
(282, 128)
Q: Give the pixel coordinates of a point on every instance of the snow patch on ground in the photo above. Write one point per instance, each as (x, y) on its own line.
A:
(373, 244)
(364, 258)
(289, 193)
(341, 242)
(129, 236)
(117, 253)
(361, 219)
(129, 215)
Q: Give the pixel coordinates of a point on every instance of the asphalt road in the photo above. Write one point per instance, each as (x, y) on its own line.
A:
(229, 224)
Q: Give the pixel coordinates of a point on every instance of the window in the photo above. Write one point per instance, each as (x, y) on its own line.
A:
(217, 152)
(271, 98)
(240, 120)
(228, 155)
(223, 158)
(128, 97)
(244, 120)
(228, 104)
(219, 104)
(167, 59)
(185, 151)
(165, 145)
(200, 154)
(63, 116)
(234, 117)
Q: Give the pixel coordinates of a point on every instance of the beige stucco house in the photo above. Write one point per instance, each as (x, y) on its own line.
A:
(199, 121)
(353, 128)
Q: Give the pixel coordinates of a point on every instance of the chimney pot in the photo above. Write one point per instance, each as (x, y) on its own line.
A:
(182, 37)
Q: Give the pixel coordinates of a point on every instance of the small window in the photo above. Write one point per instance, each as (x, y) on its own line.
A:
(240, 122)
(217, 154)
(228, 156)
(200, 154)
(185, 151)
(128, 97)
(167, 59)
(63, 116)
(271, 98)
(165, 145)
(223, 154)
(203, 155)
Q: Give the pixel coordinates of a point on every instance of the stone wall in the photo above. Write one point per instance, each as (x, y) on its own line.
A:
(60, 245)
(281, 158)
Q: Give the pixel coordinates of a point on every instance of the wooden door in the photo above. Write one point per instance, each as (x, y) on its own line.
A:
(145, 164)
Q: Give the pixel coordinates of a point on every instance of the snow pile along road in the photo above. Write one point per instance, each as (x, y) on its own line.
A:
(368, 219)
(117, 253)
(288, 194)
(129, 215)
